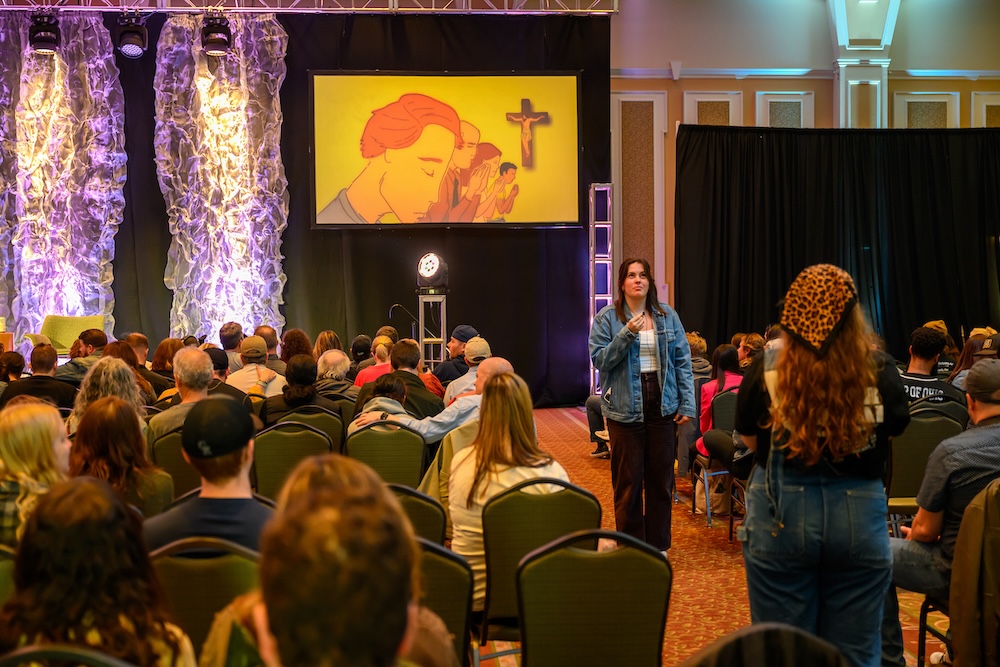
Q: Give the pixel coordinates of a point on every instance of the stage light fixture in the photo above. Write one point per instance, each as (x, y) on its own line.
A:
(216, 35)
(432, 272)
(133, 39)
(44, 35)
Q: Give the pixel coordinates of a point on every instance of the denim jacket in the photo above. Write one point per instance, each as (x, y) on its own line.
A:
(615, 353)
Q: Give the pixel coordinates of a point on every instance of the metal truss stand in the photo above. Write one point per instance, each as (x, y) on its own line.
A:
(433, 302)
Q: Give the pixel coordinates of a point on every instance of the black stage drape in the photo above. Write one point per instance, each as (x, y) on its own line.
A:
(913, 215)
(525, 290)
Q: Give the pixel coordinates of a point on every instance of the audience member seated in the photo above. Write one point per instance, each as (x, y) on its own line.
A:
(688, 432)
(253, 353)
(387, 398)
(431, 383)
(404, 359)
(725, 376)
(957, 470)
(299, 392)
(218, 442)
(966, 359)
(42, 383)
(946, 361)
(925, 347)
(124, 351)
(192, 374)
(11, 369)
(751, 347)
(109, 445)
(387, 331)
(83, 577)
(230, 337)
(34, 455)
(477, 350)
(92, 342)
(361, 351)
(326, 340)
(462, 411)
(108, 377)
(295, 341)
(455, 366)
(270, 337)
(331, 372)
(140, 345)
(381, 349)
(772, 337)
(597, 427)
(336, 480)
(220, 373)
(163, 358)
(504, 453)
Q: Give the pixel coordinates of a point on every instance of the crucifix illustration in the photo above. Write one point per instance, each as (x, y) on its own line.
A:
(526, 117)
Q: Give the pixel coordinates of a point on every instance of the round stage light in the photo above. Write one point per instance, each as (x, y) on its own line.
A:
(432, 271)
(216, 35)
(132, 37)
(44, 35)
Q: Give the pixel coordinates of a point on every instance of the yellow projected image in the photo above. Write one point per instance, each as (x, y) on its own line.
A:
(445, 149)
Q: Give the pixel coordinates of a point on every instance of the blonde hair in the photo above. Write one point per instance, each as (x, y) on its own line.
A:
(506, 437)
(822, 399)
(28, 434)
(381, 347)
(107, 377)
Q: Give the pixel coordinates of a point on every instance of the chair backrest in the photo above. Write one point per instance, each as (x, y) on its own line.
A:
(6, 574)
(768, 644)
(397, 455)
(522, 518)
(950, 408)
(321, 418)
(447, 591)
(62, 330)
(168, 454)
(279, 448)
(698, 382)
(198, 588)
(346, 409)
(724, 410)
(35, 654)
(562, 588)
(425, 513)
(911, 449)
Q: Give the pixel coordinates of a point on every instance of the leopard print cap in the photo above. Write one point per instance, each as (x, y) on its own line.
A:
(816, 303)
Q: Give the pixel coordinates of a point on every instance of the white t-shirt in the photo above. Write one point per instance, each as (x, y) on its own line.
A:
(467, 536)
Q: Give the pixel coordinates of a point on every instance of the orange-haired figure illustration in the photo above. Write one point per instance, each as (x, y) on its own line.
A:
(408, 144)
(502, 199)
(459, 197)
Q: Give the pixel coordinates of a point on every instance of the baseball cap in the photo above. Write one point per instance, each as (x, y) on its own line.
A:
(477, 350)
(220, 360)
(990, 346)
(253, 347)
(463, 332)
(216, 426)
(983, 381)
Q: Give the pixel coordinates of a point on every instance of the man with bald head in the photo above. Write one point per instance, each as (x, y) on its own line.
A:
(463, 410)
(270, 337)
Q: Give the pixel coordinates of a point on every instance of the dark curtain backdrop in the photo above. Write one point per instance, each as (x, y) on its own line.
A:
(913, 215)
(525, 290)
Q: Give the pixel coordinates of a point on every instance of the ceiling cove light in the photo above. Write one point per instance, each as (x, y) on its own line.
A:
(133, 39)
(216, 35)
(44, 35)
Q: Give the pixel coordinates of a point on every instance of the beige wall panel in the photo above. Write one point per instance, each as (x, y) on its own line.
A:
(637, 185)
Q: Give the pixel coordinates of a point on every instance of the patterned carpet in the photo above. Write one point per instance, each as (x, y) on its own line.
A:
(709, 596)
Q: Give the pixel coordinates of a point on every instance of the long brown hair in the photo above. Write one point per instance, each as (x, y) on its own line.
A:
(968, 355)
(125, 352)
(821, 406)
(82, 576)
(109, 445)
(506, 437)
(652, 300)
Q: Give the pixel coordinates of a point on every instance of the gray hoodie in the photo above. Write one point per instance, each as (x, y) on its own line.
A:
(378, 404)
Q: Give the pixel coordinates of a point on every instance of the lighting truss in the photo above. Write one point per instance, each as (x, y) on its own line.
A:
(489, 7)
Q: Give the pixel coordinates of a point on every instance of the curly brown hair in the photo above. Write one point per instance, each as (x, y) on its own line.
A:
(822, 399)
(82, 574)
(295, 341)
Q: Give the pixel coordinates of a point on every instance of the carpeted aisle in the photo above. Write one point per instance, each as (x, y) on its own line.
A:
(709, 596)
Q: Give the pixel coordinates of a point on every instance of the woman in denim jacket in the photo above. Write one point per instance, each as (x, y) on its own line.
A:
(639, 347)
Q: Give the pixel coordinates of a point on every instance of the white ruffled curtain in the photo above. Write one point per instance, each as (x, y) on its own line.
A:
(218, 159)
(62, 164)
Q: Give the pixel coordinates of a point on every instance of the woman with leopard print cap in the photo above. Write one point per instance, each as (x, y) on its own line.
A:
(647, 389)
(819, 414)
